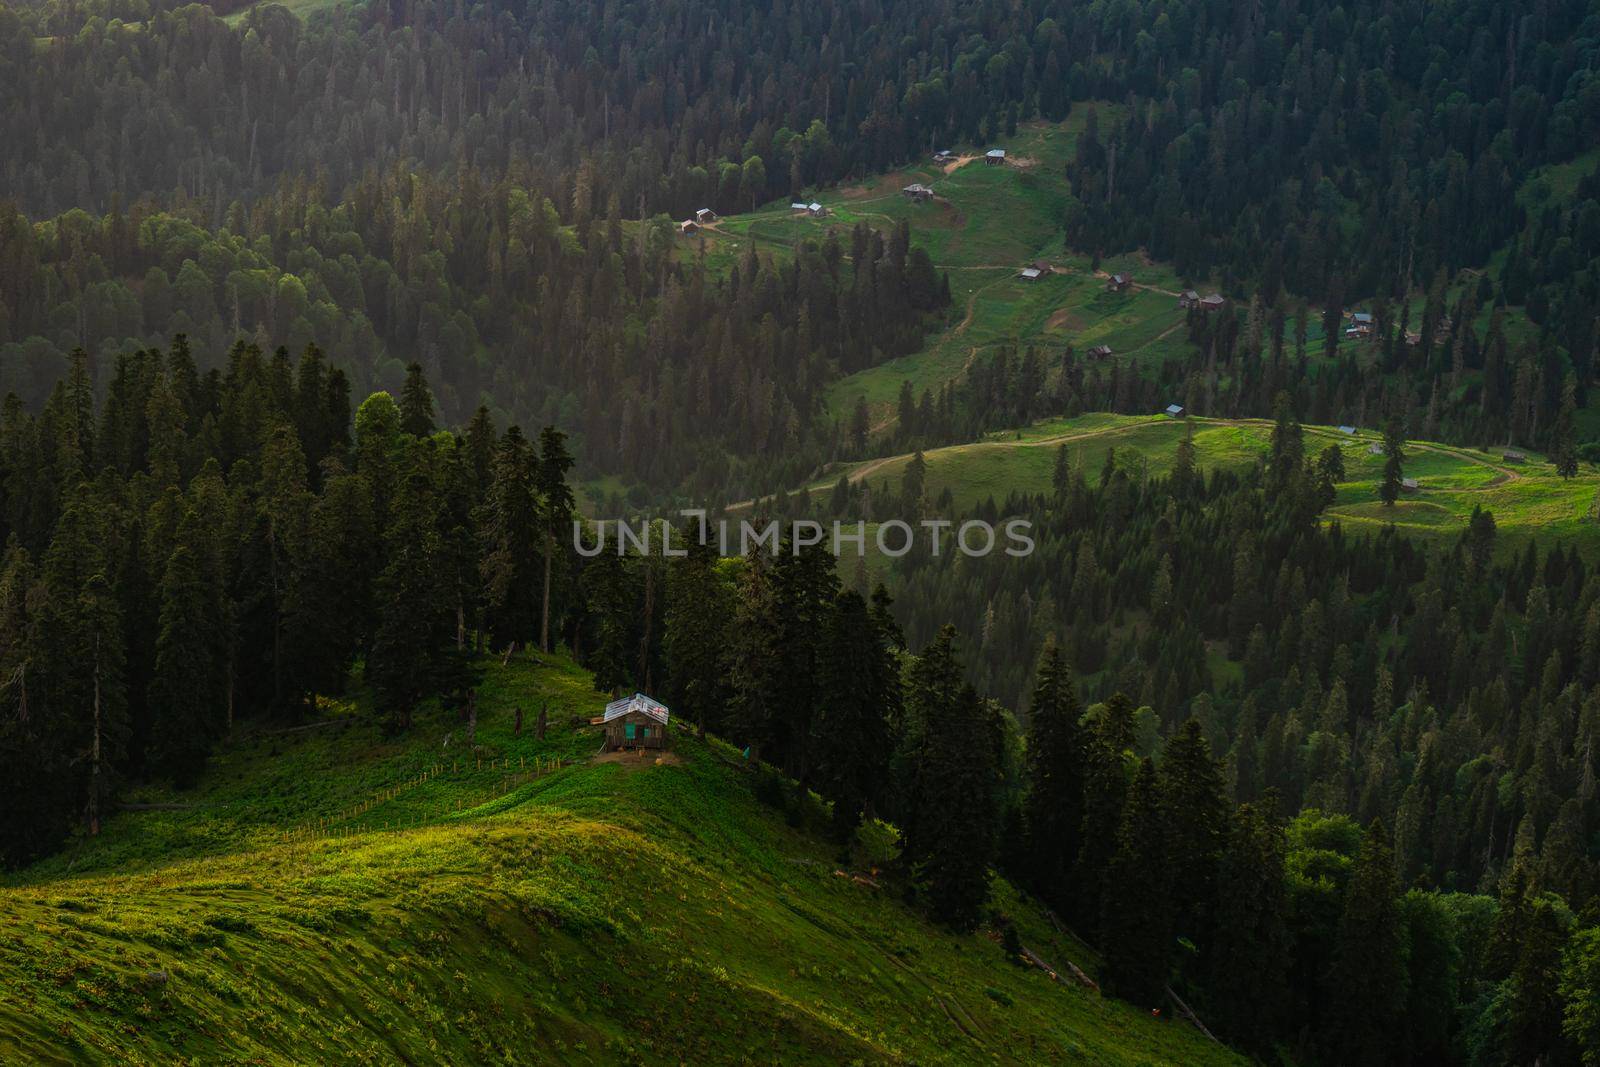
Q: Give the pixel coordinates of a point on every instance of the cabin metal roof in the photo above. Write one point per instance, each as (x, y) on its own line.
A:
(640, 703)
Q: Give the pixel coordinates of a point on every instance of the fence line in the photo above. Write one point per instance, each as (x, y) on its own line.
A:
(337, 825)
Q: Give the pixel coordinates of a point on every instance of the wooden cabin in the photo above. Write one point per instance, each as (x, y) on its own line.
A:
(1100, 352)
(1211, 303)
(1119, 282)
(994, 157)
(635, 722)
(688, 226)
(705, 216)
(917, 192)
(1188, 299)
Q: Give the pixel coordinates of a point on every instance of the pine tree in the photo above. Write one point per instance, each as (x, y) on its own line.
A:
(1105, 790)
(555, 514)
(1136, 916)
(416, 403)
(755, 671)
(1053, 808)
(696, 635)
(183, 692)
(1247, 960)
(1563, 447)
(1394, 461)
(1535, 1026)
(950, 842)
(1366, 986)
(406, 663)
(1193, 797)
(855, 672)
(509, 522)
(611, 606)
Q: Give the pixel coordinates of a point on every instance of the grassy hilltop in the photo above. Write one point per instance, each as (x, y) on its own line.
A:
(328, 895)
(1528, 499)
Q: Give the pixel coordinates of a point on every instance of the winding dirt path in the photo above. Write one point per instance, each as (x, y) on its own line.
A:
(874, 466)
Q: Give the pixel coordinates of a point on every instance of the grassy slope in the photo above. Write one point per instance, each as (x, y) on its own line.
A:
(990, 221)
(1527, 500)
(596, 913)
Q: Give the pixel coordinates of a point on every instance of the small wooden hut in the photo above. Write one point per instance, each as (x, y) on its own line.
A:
(635, 722)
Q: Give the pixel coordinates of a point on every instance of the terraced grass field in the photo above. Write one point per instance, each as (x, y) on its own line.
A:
(1527, 499)
(329, 895)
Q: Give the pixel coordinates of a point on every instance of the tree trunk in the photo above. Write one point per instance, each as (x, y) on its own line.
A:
(94, 774)
(544, 616)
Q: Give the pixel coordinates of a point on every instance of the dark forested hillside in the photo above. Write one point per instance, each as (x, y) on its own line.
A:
(663, 370)
(399, 181)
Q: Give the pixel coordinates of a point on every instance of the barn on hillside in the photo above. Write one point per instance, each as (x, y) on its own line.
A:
(634, 722)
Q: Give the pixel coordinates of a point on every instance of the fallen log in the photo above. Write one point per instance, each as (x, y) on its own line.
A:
(1184, 1010)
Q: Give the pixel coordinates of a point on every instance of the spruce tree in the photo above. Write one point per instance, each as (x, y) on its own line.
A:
(416, 403)
(555, 515)
(183, 692)
(1563, 445)
(406, 662)
(949, 842)
(611, 606)
(1193, 796)
(509, 525)
(1105, 789)
(855, 671)
(1136, 912)
(1365, 989)
(696, 635)
(1247, 959)
(755, 671)
(1394, 440)
(1053, 807)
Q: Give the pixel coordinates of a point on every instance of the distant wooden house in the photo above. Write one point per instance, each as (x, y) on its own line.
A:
(688, 226)
(1119, 282)
(917, 192)
(816, 210)
(705, 216)
(994, 157)
(1361, 325)
(944, 155)
(1174, 411)
(1410, 485)
(797, 205)
(1413, 339)
(1042, 266)
(1100, 352)
(1188, 299)
(635, 722)
(1513, 455)
(1213, 302)
(1348, 431)
(1030, 274)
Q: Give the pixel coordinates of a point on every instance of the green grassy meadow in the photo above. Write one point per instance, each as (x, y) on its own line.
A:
(1528, 499)
(332, 895)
